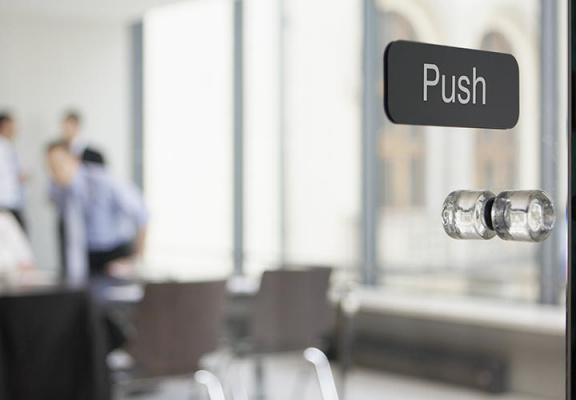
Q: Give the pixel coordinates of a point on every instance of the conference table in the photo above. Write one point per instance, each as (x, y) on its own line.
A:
(53, 345)
(53, 342)
(53, 338)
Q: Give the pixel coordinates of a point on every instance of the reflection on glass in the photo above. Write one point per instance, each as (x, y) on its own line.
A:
(419, 166)
(496, 151)
(402, 148)
(309, 209)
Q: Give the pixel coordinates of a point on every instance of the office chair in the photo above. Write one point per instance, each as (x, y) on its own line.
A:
(177, 324)
(291, 310)
(290, 313)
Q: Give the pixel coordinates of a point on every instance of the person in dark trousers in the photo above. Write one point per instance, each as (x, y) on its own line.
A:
(108, 219)
(71, 136)
(105, 225)
(11, 175)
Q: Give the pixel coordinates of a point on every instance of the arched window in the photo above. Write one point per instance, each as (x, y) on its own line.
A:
(496, 150)
(402, 148)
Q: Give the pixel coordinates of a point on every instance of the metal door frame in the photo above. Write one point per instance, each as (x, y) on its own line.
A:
(570, 298)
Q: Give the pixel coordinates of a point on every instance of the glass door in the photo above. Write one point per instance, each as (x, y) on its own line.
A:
(498, 294)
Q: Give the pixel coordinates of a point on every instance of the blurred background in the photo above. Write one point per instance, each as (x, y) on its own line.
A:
(256, 133)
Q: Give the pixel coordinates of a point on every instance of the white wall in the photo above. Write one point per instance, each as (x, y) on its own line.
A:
(48, 65)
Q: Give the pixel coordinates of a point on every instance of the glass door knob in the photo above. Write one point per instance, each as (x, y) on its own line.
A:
(522, 215)
(465, 214)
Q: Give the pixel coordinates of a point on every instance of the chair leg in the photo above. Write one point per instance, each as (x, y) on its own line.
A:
(237, 387)
(232, 375)
(212, 384)
(301, 383)
(259, 378)
(222, 363)
(323, 372)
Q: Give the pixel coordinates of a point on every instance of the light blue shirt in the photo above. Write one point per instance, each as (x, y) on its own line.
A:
(108, 212)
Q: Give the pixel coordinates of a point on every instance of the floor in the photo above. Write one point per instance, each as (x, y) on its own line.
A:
(285, 378)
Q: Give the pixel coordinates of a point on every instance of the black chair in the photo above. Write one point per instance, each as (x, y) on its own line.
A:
(177, 324)
(52, 346)
(290, 313)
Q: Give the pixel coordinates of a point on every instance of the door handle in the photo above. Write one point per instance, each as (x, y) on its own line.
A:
(464, 215)
(521, 215)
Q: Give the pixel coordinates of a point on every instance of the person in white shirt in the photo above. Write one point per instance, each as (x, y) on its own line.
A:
(15, 251)
(11, 174)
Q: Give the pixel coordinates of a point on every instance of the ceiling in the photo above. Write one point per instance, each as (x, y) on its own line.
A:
(117, 10)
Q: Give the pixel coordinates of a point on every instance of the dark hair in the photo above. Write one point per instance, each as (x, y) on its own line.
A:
(73, 115)
(57, 144)
(5, 117)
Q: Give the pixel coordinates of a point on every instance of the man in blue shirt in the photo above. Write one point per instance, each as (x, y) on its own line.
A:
(105, 221)
(71, 136)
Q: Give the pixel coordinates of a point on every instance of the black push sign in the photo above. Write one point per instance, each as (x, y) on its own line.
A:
(427, 84)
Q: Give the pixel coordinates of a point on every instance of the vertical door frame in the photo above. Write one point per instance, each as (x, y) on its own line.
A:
(570, 298)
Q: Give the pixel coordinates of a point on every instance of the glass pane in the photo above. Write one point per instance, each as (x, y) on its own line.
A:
(420, 166)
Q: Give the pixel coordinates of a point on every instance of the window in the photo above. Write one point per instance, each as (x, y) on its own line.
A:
(323, 125)
(262, 182)
(402, 148)
(188, 139)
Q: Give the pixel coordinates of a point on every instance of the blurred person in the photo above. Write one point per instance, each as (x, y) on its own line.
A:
(72, 137)
(105, 226)
(105, 221)
(15, 251)
(12, 177)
